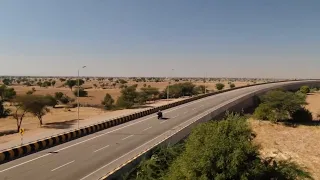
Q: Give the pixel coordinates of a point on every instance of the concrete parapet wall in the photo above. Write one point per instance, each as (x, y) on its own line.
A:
(183, 130)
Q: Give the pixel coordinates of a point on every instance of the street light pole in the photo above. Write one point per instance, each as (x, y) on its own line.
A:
(168, 91)
(78, 104)
(205, 80)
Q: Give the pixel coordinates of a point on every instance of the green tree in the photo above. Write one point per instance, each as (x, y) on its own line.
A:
(122, 81)
(29, 92)
(188, 89)
(123, 86)
(53, 82)
(46, 84)
(200, 89)
(37, 105)
(7, 81)
(62, 80)
(58, 95)
(27, 83)
(39, 83)
(279, 105)
(181, 89)
(71, 83)
(50, 100)
(20, 110)
(6, 93)
(219, 86)
(232, 85)
(264, 112)
(108, 102)
(142, 98)
(128, 97)
(82, 92)
(148, 94)
(64, 99)
(34, 104)
(81, 82)
(302, 115)
(175, 91)
(3, 112)
(305, 89)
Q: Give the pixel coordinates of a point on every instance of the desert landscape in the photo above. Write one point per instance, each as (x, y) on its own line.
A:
(64, 117)
(299, 144)
(98, 87)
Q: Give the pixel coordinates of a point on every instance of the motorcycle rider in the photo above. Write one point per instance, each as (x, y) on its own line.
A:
(159, 114)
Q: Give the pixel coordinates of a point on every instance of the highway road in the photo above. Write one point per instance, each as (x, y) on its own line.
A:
(92, 156)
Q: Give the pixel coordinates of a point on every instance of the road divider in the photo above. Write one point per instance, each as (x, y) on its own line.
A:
(20, 151)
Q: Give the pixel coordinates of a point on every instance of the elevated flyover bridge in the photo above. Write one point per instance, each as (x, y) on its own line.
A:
(93, 156)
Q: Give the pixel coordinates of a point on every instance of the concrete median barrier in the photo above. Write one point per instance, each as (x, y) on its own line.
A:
(23, 150)
(2, 156)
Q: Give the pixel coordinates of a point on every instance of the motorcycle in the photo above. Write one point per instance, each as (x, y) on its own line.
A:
(159, 115)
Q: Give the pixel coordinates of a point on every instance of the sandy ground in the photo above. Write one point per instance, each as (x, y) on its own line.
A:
(300, 144)
(313, 100)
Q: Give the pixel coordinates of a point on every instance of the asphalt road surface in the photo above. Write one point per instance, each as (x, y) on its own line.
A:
(93, 156)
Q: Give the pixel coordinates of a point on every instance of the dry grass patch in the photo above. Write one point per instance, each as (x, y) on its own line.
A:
(300, 144)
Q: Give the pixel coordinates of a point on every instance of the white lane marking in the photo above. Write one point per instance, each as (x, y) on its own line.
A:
(185, 112)
(101, 149)
(147, 128)
(173, 109)
(24, 163)
(127, 137)
(62, 166)
(121, 156)
(175, 116)
(163, 122)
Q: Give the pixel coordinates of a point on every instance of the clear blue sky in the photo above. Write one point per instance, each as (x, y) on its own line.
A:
(249, 38)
